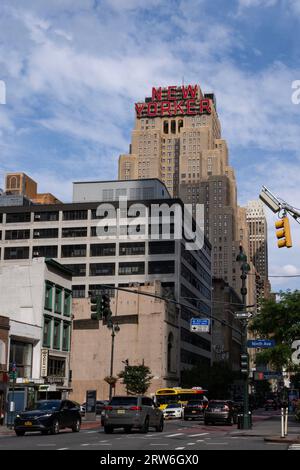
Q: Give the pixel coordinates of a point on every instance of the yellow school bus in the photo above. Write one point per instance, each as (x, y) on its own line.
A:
(164, 396)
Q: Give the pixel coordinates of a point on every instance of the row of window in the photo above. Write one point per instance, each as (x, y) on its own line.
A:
(96, 250)
(56, 334)
(58, 299)
(109, 269)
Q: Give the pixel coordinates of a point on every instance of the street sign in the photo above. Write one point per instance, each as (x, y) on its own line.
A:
(260, 343)
(241, 315)
(200, 325)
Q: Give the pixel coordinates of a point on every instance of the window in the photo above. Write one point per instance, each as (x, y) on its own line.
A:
(131, 268)
(156, 248)
(48, 296)
(58, 298)
(78, 292)
(17, 234)
(78, 270)
(102, 269)
(21, 252)
(161, 267)
(67, 303)
(44, 251)
(130, 249)
(18, 217)
(21, 354)
(75, 215)
(72, 251)
(46, 216)
(56, 367)
(73, 232)
(56, 334)
(45, 233)
(66, 337)
(106, 249)
(47, 332)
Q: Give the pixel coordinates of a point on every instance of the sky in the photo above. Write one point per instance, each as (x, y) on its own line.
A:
(73, 70)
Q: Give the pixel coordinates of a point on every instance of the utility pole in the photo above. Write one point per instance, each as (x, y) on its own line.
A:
(242, 259)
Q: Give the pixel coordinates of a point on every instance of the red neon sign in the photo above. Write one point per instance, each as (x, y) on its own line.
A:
(173, 101)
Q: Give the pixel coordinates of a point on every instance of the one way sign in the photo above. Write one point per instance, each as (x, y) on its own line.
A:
(200, 325)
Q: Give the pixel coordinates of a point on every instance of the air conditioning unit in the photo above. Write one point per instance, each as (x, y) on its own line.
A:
(37, 216)
(36, 234)
(36, 253)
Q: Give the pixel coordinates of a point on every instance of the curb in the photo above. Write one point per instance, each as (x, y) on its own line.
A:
(282, 440)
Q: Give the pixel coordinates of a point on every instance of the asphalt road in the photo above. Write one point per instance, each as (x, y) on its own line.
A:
(177, 435)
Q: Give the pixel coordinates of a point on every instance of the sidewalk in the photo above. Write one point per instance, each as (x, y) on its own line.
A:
(270, 430)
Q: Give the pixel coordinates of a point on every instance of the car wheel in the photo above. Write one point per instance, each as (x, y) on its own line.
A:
(45, 432)
(145, 427)
(76, 426)
(206, 422)
(127, 429)
(55, 427)
(108, 429)
(186, 419)
(160, 427)
(229, 421)
(19, 433)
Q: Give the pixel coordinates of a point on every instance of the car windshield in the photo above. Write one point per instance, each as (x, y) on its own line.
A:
(194, 403)
(123, 401)
(217, 404)
(173, 405)
(47, 405)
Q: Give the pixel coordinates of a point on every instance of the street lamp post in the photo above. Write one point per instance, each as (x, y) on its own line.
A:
(242, 259)
(114, 329)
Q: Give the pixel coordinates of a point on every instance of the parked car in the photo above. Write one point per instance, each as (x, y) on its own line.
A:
(220, 411)
(49, 416)
(130, 412)
(271, 404)
(173, 410)
(100, 405)
(194, 409)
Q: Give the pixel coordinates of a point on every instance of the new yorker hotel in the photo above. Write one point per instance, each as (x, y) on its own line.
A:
(67, 233)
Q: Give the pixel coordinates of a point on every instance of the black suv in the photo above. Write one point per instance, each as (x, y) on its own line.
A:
(49, 416)
(194, 409)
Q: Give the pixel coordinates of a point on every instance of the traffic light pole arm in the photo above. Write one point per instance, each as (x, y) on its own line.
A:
(276, 204)
(172, 302)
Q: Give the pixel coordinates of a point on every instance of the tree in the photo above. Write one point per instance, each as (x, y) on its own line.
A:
(136, 379)
(279, 321)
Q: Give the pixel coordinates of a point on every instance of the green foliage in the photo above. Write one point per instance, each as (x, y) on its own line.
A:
(217, 379)
(137, 379)
(281, 322)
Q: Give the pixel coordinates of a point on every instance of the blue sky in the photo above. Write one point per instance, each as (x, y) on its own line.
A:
(74, 68)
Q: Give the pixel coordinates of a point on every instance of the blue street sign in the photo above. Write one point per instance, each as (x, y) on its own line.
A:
(260, 343)
(200, 325)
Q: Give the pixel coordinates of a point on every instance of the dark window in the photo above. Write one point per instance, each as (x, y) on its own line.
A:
(44, 251)
(21, 252)
(47, 332)
(78, 292)
(18, 217)
(56, 367)
(105, 216)
(46, 216)
(75, 215)
(66, 337)
(17, 234)
(157, 248)
(21, 354)
(73, 232)
(71, 251)
(56, 334)
(129, 249)
(161, 267)
(98, 289)
(106, 249)
(102, 269)
(45, 233)
(131, 268)
(123, 401)
(77, 269)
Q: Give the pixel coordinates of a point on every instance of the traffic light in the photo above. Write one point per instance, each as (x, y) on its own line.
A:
(244, 363)
(96, 313)
(284, 233)
(105, 307)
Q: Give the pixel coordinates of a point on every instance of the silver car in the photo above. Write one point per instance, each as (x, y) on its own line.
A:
(130, 412)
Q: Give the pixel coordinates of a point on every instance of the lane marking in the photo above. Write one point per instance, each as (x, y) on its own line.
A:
(179, 448)
(63, 448)
(191, 443)
(91, 432)
(202, 434)
(156, 444)
(174, 435)
(84, 445)
(45, 445)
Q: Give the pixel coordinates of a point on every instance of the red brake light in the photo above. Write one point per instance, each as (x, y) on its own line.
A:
(135, 408)
(108, 408)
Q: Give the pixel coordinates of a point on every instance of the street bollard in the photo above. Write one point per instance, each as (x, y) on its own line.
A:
(282, 422)
(286, 421)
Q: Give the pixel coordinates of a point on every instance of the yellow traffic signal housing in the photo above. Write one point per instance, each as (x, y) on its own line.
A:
(284, 234)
